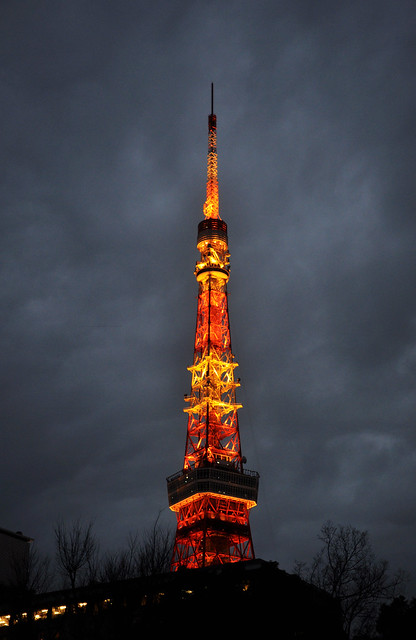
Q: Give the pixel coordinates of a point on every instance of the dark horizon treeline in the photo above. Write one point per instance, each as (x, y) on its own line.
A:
(78, 560)
(372, 606)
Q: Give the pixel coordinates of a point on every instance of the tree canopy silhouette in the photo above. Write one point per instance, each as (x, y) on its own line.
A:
(347, 568)
(76, 549)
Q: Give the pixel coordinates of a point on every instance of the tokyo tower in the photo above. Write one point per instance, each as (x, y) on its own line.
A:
(212, 494)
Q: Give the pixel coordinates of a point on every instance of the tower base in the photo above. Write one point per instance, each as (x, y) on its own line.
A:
(212, 530)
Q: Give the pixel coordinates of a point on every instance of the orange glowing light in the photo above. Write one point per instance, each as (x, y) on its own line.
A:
(211, 206)
(212, 494)
(4, 621)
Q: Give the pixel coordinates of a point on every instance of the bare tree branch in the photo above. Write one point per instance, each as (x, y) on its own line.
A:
(347, 569)
(147, 554)
(76, 549)
(32, 571)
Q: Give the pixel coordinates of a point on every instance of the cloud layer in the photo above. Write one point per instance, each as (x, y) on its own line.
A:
(104, 136)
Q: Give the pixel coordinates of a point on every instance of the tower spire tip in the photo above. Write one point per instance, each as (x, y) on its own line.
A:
(211, 206)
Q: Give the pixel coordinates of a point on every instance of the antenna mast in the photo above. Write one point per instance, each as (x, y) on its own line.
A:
(211, 206)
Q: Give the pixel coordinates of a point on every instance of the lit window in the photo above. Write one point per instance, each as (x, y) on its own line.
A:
(41, 614)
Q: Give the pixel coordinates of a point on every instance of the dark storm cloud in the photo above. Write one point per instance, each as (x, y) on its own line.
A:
(103, 117)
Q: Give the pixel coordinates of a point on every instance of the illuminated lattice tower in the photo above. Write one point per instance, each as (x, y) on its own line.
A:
(212, 495)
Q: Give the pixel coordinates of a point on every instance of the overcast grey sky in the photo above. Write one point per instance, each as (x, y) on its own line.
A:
(103, 116)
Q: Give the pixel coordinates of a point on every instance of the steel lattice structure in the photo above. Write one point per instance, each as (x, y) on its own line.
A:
(212, 494)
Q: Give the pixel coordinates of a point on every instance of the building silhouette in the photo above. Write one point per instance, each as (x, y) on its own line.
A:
(14, 554)
(234, 598)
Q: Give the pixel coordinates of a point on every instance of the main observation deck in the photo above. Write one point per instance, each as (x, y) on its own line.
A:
(217, 480)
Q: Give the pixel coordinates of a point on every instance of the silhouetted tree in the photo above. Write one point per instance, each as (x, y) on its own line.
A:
(155, 551)
(146, 554)
(122, 564)
(76, 552)
(31, 572)
(397, 620)
(346, 568)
